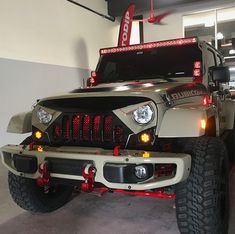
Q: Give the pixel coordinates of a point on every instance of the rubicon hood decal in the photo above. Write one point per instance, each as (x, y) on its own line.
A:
(187, 90)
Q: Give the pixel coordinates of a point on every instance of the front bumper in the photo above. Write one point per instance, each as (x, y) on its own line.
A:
(99, 158)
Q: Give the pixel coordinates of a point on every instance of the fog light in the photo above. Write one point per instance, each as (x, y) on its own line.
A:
(140, 172)
(38, 134)
(40, 148)
(146, 154)
(145, 137)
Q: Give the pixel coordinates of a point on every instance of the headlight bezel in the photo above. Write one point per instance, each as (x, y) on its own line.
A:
(44, 116)
(149, 119)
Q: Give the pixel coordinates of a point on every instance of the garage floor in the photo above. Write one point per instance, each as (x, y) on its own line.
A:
(88, 214)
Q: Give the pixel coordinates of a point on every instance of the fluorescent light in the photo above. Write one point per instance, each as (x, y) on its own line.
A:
(232, 69)
(209, 24)
(220, 36)
(226, 45)
(232, 52)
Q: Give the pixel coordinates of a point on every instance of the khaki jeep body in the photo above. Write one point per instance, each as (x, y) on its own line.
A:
(96, 127)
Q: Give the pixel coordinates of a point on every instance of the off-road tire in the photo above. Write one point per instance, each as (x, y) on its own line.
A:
(29, 196)
(202, 201)
(230, 144)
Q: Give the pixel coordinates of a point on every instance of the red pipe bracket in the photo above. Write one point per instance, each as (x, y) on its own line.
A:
(154, 194)
(44, 178)
(88, 173)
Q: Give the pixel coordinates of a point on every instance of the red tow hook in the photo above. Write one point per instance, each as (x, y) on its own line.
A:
(44, 179)
(31, 145)
(116, 150)
(88, 172)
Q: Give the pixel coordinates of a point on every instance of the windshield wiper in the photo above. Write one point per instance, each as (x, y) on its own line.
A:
(136, 78)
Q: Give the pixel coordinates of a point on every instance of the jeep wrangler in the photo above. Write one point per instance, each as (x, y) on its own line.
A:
(155, 119)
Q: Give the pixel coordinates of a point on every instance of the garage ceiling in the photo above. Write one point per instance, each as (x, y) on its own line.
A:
(117, 7)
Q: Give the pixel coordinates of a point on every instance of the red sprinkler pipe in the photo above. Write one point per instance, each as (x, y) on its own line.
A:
(156, 194)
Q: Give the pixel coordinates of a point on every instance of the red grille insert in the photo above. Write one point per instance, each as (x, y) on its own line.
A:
(97, 128)
(108, 133)
(86, 128)
(118, 134)
(57, 132)
(76, 126)
(66, 128)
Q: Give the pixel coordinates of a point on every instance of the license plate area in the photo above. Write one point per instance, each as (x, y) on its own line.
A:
(67, 166)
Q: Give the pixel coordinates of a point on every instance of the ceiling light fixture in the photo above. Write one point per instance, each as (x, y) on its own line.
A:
(232, 69)
(209, 24)
(232, 51)
(220, 36)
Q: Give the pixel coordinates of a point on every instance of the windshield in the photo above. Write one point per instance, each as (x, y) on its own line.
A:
(164, 63)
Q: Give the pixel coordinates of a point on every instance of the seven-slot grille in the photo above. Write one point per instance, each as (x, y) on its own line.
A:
(84, 128)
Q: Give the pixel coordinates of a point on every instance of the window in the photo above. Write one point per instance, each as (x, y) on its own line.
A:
(159, 64)
(219, 60)
(217, 27)
(226, 31)
(211, 62)
(203, 25)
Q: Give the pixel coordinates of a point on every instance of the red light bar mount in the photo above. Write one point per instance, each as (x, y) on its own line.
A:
(150, 45)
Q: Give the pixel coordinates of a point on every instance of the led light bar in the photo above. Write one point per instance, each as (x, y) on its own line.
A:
(176, 42)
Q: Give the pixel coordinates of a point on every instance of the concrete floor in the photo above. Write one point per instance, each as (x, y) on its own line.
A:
(89, 214)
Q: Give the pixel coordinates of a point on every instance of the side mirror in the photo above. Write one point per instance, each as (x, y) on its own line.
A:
(219, 74)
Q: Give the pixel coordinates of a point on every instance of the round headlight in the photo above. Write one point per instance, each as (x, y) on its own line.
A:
(43, 116)
(143, 114)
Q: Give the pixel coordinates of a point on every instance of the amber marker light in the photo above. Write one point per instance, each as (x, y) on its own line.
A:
(146, 154)
(40, 148)
(145, 137)
(38, 134)
(203, 124)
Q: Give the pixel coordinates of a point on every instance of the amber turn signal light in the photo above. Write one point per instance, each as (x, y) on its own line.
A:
(38, 135)
(145, 137)
(203, 124)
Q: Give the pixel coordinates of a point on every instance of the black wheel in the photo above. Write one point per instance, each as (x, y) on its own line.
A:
(202, 201)
(230, 144)
(29, 196)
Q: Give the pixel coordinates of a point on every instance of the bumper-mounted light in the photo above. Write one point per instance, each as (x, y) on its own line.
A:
(141, 171)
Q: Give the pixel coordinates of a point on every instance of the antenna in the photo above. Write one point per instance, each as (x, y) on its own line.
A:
(151, 8)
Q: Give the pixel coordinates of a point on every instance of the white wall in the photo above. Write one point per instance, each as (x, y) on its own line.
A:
(174, 22)
(54, 31)
(172, 29)
(46, 47)
(22, 83)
